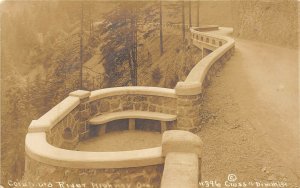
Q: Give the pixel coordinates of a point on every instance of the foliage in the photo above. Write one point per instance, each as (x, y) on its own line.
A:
(123, 33)
(41, 63)
(156, 75)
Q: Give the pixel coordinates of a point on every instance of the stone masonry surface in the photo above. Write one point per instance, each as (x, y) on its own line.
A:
(56, 137)
(119, 103)
(37, 172)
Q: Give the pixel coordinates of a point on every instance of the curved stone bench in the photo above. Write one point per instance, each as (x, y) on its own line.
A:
(131, 115)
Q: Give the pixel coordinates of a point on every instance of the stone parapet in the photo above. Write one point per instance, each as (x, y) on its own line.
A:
(183, 151)
(190, 92)
(84, 97)
(81, 94)
(55, 115)
(65, 133)
(132, 90)
(37, 148)
(180, 151)
(181, 170)
(58, 176)
(188, 111)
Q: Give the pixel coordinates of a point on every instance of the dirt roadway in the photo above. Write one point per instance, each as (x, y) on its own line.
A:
(251, 116)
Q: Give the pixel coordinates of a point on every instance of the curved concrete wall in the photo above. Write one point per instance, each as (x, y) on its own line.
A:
(222, 48)
(190, 92)
(44, 152)
(48, 150)
(45, 141)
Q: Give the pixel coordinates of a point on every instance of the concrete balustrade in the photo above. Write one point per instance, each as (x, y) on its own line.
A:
(216, 51)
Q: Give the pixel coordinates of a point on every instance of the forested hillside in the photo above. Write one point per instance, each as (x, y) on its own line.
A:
(52, 48)
(40, 66)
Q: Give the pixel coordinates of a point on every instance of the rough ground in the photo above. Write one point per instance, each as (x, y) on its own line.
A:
(251, 117)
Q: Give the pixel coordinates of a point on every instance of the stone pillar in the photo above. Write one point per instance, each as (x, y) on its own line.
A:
(131, 124)
(189, 100)
(83, 130)
(102, 129)
(163, 126)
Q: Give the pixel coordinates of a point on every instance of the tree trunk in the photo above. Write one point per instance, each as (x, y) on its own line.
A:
(190, 13)
(90, 21)
(161, 30)
(198, 13)
(133, 49)
(183, 26)
(131, 66)
(81, 46)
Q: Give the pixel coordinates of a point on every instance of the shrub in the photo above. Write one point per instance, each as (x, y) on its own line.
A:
(173, 81)
(156, 75)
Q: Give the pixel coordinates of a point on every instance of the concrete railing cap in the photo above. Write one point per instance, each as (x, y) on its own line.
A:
(181, 141)
(39, 125)
(132, 90)
(37, 148)
(53, 116)
(80, 93)
(188, 88)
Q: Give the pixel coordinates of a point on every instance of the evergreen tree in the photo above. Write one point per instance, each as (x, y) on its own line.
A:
(120, 48)
(160, 28)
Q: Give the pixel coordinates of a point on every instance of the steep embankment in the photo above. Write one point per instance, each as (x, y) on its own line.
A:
(268, 21)
(155, 69)
(172, 66)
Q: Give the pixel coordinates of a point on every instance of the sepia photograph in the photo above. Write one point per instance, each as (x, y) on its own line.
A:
(149, 94)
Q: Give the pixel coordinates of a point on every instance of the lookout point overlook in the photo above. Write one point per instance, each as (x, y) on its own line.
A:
(149, 94)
